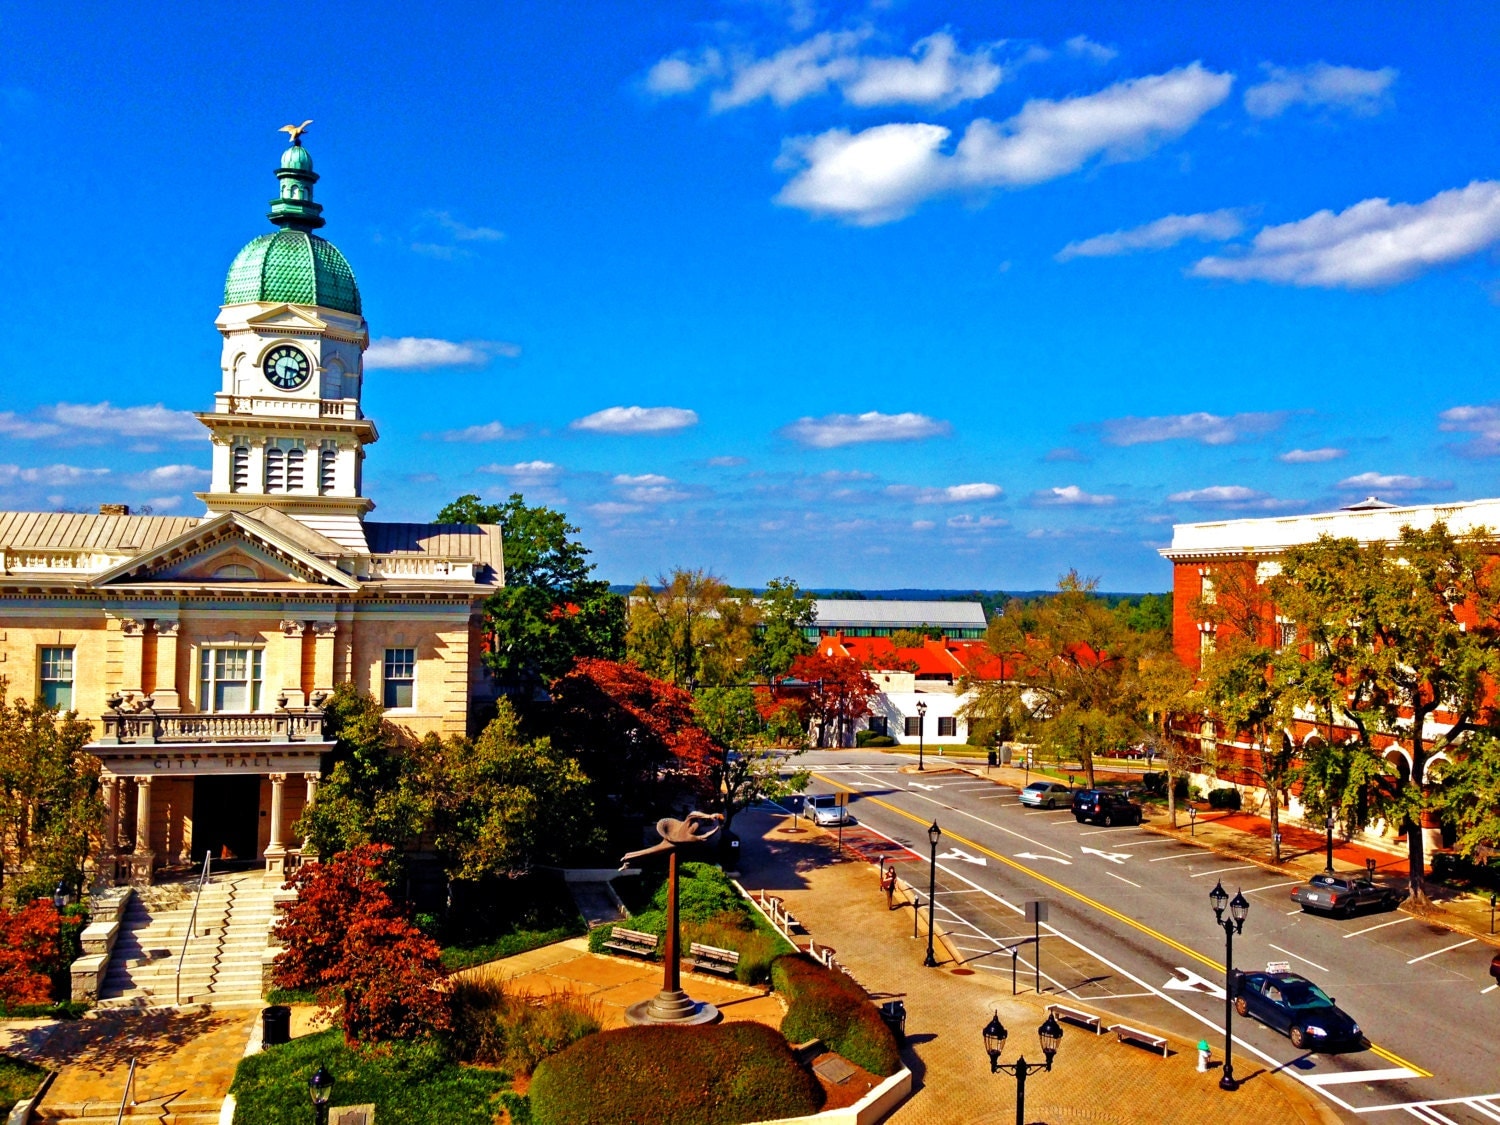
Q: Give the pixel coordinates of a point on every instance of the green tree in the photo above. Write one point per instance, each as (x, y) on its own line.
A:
(691, 629)
(1407, 635)
(1073, 691)
(503, 804)
(50, 807)
(1170, 694)
(1471, 795)
(1150, 613)
(785, 612)
(747, 768)
(551, 611)
(374, 793)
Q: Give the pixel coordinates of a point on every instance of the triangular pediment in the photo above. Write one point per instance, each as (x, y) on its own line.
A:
(232, 549)
(286, 317)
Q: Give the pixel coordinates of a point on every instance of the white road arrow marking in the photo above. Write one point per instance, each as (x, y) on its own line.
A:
(1053, 858)
(1192, 982)
(1113, 857)
(929, 788)
(954, 853)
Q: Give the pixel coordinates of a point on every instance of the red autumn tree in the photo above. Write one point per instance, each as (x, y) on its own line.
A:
(354, 946)
(28, 953)
(630, 730)
(839, 692)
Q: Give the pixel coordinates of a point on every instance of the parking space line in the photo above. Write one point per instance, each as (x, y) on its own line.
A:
(1383, 925)
(1122, 879)
(1221, 870)
(1101, 831)
(1273, 886)
(1491, 988)
(1299, 957)
(1194, 854)
(1445, 949)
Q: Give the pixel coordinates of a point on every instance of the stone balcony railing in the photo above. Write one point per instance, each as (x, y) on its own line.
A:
(147, 728)
(57, 560)
(410, 566)
(347, 408)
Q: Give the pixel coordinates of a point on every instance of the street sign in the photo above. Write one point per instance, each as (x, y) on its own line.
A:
(1036, 910)
(841, 798)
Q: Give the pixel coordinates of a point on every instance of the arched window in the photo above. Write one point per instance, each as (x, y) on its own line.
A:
(235, 570)
(275, 469)
(239, 468)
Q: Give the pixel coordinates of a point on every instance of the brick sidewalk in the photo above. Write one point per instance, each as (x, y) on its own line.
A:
(1095, 1079)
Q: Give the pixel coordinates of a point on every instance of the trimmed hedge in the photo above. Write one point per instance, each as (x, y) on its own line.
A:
(870, 738)
(718, 1075)
(827, 1005)
(1224, 798)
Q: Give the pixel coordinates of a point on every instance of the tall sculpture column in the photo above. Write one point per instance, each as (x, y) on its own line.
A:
(325, 636)
(132, 656)
(111, 813)
(166, 697)
(276, 849)
(309, 849)
(142, 858)
(291, 664)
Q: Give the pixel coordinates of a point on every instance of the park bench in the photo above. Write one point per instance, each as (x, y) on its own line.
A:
(1073, 1015)
(1135, 1034)
(712, 959)
(631, 941)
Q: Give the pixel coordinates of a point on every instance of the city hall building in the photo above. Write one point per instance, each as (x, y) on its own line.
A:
(201, 648)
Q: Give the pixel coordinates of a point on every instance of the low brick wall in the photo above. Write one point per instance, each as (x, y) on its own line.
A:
(106, 909)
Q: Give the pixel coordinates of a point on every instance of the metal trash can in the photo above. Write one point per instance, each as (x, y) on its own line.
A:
(893, 1012)
(276, 1025)
(994, 758)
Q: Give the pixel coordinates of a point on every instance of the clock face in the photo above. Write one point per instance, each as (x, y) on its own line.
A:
(286, 367)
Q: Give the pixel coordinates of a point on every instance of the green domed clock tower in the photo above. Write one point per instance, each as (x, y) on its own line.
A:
(288, 431)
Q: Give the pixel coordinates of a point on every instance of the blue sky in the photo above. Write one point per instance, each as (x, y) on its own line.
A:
(871, 295)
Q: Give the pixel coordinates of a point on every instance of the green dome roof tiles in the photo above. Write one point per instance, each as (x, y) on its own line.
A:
(294, 267)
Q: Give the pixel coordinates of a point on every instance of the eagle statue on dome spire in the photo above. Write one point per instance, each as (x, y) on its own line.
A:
(296, 131)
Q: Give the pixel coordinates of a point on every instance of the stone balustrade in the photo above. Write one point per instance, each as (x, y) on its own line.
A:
(148, 728)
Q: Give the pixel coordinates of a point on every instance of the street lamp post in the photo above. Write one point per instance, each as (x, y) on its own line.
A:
(1328, 864)
(1239, 910)
(921, 731)
(320, 1087)
(1050, 1033)
(934, 833)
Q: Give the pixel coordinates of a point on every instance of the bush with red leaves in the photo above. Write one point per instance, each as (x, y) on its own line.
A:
(353, 945)
(29, 952)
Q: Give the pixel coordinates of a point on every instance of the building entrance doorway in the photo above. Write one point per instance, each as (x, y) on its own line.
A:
(226, 817)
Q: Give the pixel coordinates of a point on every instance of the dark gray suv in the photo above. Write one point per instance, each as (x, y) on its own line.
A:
(1105, 807)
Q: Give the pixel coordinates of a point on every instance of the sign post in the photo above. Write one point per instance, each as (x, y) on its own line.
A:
(842, 801)
(1036, 914)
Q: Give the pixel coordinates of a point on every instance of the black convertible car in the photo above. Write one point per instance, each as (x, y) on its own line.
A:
(1296, 1007)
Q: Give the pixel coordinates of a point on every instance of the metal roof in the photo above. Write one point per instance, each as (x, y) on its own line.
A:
(833, 612)
(478, 541)
(83, 530)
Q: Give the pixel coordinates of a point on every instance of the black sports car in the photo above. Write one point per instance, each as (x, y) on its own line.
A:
(1296, 1007)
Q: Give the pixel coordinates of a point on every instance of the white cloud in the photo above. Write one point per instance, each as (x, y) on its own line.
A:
(725, 462)
(462, 232)
(70, 423)
(1068, 495)
(1374, 242)
(882, 173)
(952, 494)
(1065, 453)
(1391, 482)
(922, 525)
(1319, 84)
(1084, 47)
(833, 430)
(655, 494)
(977, 523)
(52, 475)
(487, 431)
(642, 478)
(1482, 421)
(1311, 456)
(938, 73)
(1209, 429)
(846, 475)
(1206, 226)
(533, 472)
(168, 476)
(164, 503)
(611, 510)
(1227, 495)
(636, 420)
(406, 352)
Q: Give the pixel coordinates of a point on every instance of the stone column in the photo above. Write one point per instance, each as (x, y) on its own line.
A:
(166, 695)
(324, 639)
(309, 849)
(142, 858)
(111, 814)
(276, 849)
(132, 656)
(291, 664)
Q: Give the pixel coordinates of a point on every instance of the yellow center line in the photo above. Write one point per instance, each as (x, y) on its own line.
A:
(1094, 904)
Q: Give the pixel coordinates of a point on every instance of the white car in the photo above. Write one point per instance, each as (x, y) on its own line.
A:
(825, 810)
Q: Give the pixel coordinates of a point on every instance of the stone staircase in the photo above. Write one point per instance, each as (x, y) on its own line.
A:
(223, 960)
(163, 1111)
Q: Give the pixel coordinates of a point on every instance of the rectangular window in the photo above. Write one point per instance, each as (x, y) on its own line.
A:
(879, 725)
(57, 678)
(1286, 634)
(229, 679)
(913, 725)
(400, 676)
(1210, 595)
(947, 726)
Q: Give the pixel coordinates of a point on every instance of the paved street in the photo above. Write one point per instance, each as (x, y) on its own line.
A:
(1130, 931)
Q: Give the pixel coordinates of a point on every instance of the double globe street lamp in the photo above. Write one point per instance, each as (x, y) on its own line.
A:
(1239, 910)
(934, 834)
(1050, 1033)
(921, 734)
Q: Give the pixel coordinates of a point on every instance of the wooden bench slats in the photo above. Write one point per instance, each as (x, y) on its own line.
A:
(713, 959)
(1124, 1032)
(631, 941)
(1073, 1015)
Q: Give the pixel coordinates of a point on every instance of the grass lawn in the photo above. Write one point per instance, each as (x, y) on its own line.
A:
(414, 1085)
(17, 1080)
(521, 914)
